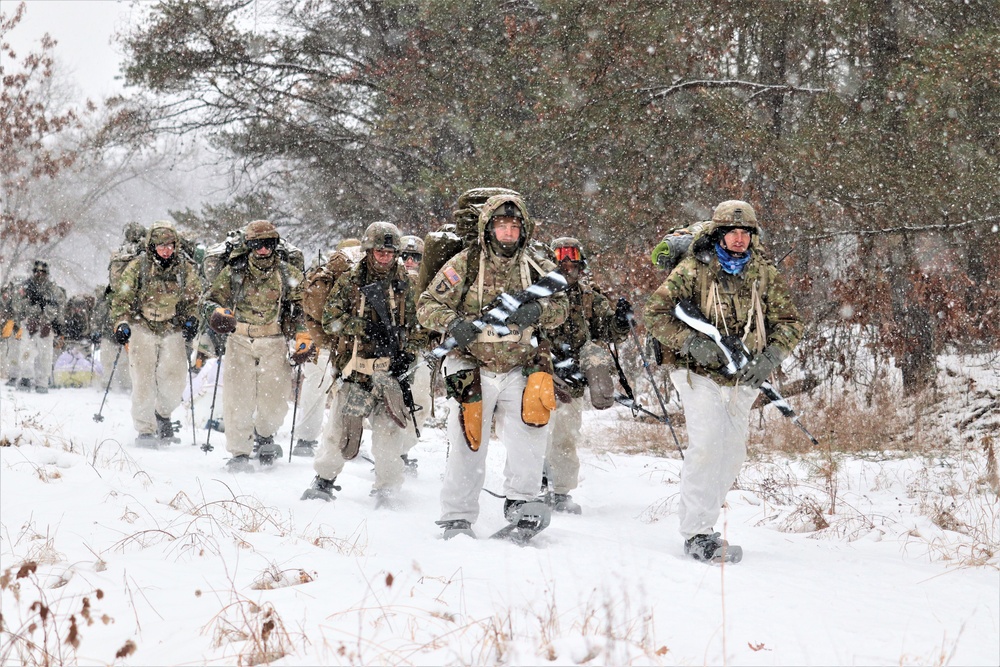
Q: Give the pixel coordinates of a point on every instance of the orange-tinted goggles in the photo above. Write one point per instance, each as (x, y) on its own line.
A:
(568, 252)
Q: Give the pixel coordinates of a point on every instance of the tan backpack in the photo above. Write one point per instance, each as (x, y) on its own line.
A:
(315, 292)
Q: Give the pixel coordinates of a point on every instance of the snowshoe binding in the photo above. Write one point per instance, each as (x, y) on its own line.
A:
(712, 549)
(526, 519)
(321, 489)
(562, 502)
(410, 465)
(266, 451)
(166, 429)
(239, 463)
(305, 448)
(455, 527)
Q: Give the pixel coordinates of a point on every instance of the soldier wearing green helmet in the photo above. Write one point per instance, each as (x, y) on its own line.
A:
(742, 294)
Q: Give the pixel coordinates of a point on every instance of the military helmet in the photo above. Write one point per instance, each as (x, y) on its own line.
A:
(412, 243)
(162, 231)
(734, 213)
(381, 236)
(567, 247)
(508, 209)
(260, 229)
(41, 265)
(470, 202)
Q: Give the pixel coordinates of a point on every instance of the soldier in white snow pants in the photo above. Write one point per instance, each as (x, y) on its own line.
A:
(158, 369)
(256, 379)
(465, 471)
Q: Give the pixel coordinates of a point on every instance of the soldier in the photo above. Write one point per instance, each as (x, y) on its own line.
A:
(371, 309)
(37, 305)
(154, 306)
(488, 374)
(590, 320)
(256, 300)
(10, 336)
(744, 296)
(318, 376)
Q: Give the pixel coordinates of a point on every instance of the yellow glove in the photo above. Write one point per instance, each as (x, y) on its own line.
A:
(538, 400)
(8, 328)
(304, 348)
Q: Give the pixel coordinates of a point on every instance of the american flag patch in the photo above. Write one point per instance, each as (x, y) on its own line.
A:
(452, 275)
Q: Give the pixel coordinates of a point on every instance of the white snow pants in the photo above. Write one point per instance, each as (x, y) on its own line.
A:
(317, 380)
(388, 444)
(158, 369)
(562, 464)
(718, 424)
(465, 471)
(122, 380)
(256, 380)
(35, 359)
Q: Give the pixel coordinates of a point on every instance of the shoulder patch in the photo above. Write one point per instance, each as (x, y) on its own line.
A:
(452, 275)
(442, 286)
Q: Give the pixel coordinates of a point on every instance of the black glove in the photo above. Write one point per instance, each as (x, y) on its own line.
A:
(704, 351)
(122, 333)
(760, 367)
(189, 328)
(401, 363)
(623, 310)
(95, 337)
(527, 315)
(463, 331)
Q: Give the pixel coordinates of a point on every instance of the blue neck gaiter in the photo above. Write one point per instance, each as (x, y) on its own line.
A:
(730, 263)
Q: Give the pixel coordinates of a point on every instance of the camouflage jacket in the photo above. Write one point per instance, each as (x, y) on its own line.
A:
(341, 316)
(260, 296)
(161, 297)
(589, 317)
(448, 296)
(730, 308)
(38, 305)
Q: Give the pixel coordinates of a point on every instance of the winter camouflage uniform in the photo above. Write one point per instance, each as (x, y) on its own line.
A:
(37, 305)
(753, 305)
(421, 384)
(590, 320)
(368, 362)
(264, 295)
(460, 291)
(154, 298)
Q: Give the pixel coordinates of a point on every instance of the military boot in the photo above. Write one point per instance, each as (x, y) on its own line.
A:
(562, 502)
(321, 489)
(304, 448)
(165, 429)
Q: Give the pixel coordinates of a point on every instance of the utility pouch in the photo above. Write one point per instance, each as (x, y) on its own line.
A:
(466, 387)
(386, 388)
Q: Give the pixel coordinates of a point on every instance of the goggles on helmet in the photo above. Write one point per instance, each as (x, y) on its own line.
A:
(257, 244)
(568, 253)
(415, 256)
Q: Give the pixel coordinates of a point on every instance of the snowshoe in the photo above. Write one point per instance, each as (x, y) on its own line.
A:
(239, 463)
(562, 502)
(148, 441)
(712, 549)
(166, 429)
(410, 465)
(24, 385)
(215, 425)
(455, 527)
(526, 519)
(305, 448)
(268, 452)
(385, 499)
(321, 489)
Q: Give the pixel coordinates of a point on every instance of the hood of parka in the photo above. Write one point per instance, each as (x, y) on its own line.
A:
(162, 231)
(492, 204)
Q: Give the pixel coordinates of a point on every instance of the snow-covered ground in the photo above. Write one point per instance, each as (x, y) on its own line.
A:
(181, 562)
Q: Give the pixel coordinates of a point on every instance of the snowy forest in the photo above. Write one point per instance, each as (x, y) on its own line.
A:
(866, 134)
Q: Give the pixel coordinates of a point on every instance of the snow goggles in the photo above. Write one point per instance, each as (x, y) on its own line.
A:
(257, 244)
(415, 256)
(568, 253)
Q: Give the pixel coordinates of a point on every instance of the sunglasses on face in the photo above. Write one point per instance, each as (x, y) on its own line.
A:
(568, 253)
(257, 244)
(415, 256)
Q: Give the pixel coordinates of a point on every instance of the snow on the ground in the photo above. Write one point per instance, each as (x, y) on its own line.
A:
(198, 566)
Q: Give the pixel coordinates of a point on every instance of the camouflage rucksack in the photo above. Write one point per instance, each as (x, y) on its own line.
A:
(675, 245)
(76, 317)
(233, 250)
(315, 291)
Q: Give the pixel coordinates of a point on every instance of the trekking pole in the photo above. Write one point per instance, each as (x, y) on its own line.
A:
(207, 447)
(194, 433)
(295, 408)
(99, 417)
(652, 381)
